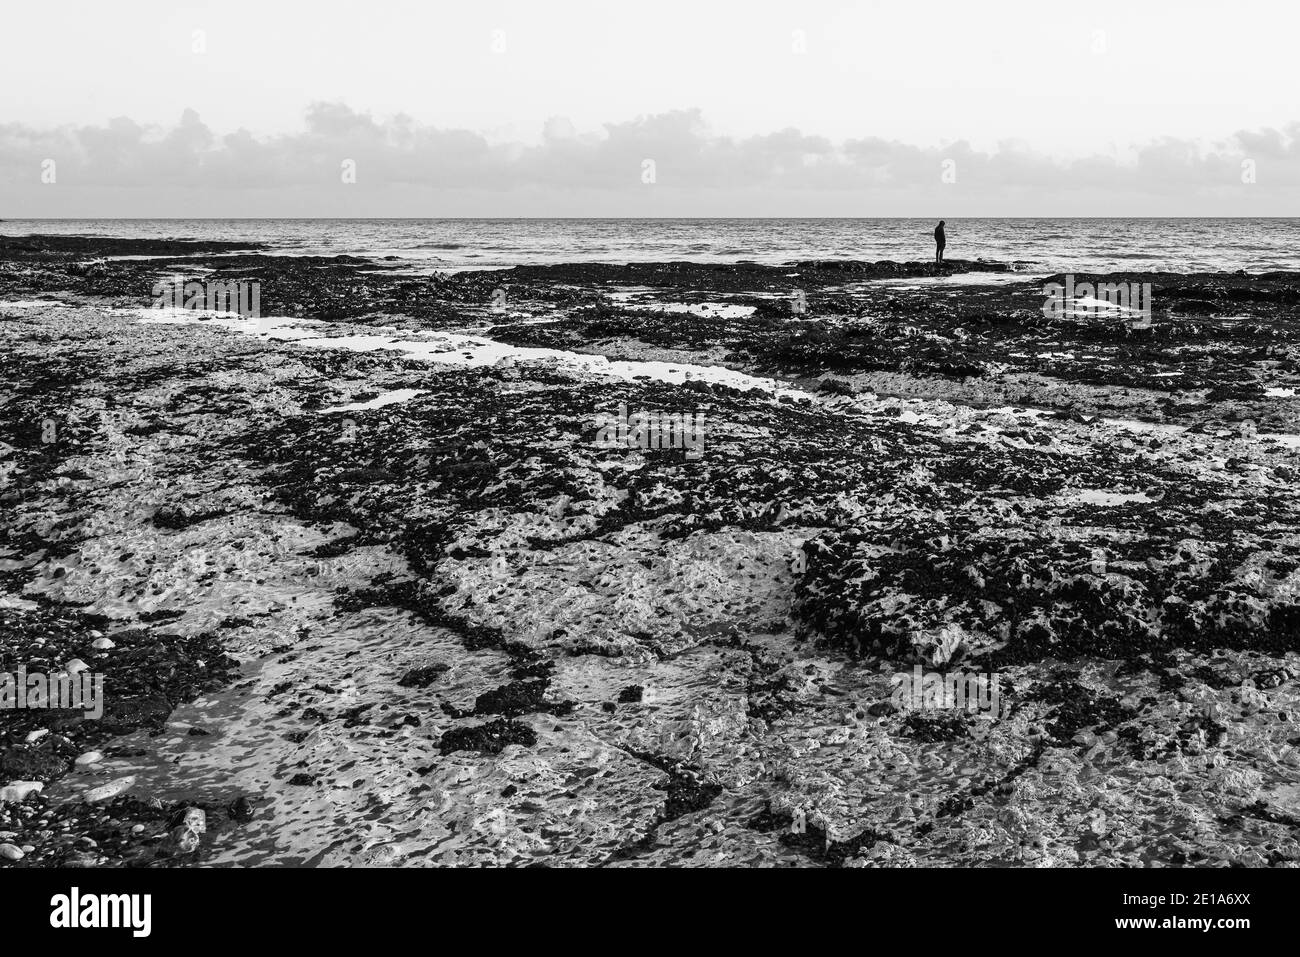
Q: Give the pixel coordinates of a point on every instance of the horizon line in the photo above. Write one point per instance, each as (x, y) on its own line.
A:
(234, 219)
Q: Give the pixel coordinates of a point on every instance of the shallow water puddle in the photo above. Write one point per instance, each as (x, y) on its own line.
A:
(378, 402)
(464, 350)
(1087, 307)
(633, 296)
(954, 279)
(467, 351)
(703, 309)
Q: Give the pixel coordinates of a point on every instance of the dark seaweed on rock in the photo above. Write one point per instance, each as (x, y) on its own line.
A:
(38, 418)
(1076, 707)
(738, 276)
(1211, 337)
(1018, 595)
(422, 677)
(41, 247)
(491, 737)
(808, 837)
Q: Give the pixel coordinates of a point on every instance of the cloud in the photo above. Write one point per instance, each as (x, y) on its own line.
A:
(405, 168)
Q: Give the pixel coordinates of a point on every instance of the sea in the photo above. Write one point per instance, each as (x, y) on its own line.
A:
(1035, 246)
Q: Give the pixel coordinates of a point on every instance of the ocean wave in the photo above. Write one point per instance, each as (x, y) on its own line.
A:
(1054, 245)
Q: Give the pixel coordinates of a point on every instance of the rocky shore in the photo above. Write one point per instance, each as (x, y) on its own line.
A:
(365, 587)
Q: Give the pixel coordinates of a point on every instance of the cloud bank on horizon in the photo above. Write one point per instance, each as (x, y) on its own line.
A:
(349, 163)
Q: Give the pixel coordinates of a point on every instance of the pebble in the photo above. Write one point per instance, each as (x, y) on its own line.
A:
(187, 833)
(76, 666)
(110, 790)
(20, 791)
(90, 757)
(195, 819)
(103, 644)
(34, 736)
(11, 853)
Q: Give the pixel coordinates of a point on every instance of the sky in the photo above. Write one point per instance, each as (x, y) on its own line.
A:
(740, 107)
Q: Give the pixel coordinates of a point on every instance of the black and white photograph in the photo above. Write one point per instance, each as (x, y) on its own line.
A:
(839, 435)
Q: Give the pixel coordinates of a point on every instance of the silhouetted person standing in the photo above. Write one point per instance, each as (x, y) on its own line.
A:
(939, 243)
